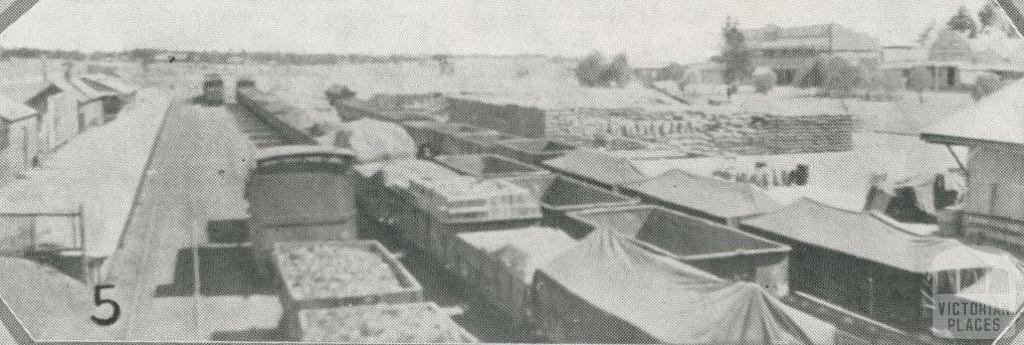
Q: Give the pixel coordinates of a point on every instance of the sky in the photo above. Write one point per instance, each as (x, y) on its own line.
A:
(650, 31)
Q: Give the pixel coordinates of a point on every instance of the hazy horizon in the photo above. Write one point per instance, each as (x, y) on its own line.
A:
(648, 31)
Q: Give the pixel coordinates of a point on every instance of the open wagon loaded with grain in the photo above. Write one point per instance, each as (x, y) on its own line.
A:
(381, 324)
(332, 274)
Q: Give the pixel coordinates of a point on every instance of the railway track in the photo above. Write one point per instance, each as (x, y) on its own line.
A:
(259, 131)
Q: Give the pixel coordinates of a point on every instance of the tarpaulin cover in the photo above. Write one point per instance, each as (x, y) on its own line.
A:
(374, 140)
(608, 289)
(567, 194)
(597, 166)
(501, 263)
(864, 235)
(710, 195)
(488, 166)
(722, 250)
(384, 185)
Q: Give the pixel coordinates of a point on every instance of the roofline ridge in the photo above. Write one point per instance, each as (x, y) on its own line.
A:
(878, 215)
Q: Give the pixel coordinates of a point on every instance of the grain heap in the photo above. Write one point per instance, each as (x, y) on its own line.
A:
(325, 270)
(382, 324)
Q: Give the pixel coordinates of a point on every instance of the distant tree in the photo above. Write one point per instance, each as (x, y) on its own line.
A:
(735, 55)
(764, 80)
(962, 22)
(839, 77)
(988, 14)
(617, 71)
(444, 64)
(145, 56)
(985, 84)
(588, 71)
(594, 71)
(919, 80)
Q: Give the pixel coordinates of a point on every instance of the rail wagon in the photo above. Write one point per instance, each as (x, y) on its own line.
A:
(213, 89)
(290, 121)
(299, 193)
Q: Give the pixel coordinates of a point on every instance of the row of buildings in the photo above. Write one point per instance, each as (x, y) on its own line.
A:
(67, 104)
(953, 59)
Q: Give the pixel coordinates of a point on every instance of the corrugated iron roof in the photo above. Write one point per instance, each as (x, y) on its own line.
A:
(14, 111)
(869, 236)
(997, 118)
(110, 83)
(710, 195)
(817, 37)
(77, 87)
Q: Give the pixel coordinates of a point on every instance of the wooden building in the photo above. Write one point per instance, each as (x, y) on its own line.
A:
(991, 211)
(18, 124)
(67, 105)
(787, 50)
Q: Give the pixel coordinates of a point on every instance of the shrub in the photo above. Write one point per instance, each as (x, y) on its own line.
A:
(836, 76)
(593, 71)
(919, 80)
(764, 80)
(882, 85)
(985, 84)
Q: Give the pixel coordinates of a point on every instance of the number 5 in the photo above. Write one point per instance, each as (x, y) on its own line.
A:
(101, 301)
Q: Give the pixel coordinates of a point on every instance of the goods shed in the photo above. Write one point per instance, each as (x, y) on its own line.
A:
(865, 261)
(712, 247)
(702, 196)
(610, 289)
